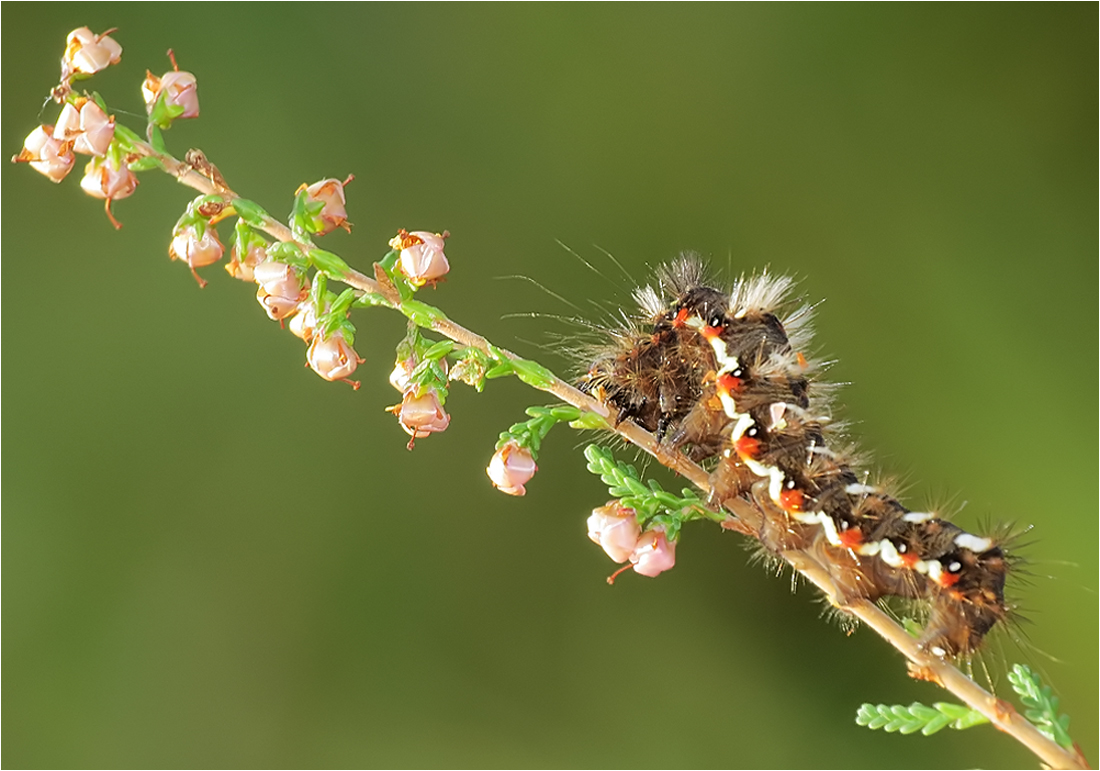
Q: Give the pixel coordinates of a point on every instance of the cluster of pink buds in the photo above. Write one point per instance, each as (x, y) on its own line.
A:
(86, 125)
(82, 127)
(422, 259)
(615, 528)
(511, 468)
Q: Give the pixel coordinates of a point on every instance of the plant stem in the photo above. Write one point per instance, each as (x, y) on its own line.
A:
(749, 520)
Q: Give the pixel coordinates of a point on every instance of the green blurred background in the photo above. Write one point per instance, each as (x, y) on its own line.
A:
(211, 557)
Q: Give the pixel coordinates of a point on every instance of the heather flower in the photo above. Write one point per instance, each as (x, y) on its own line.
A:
(422, 259)
(511, 468)
(333, 358)
(333, 214)
(46, 154)
(303, 324)
(244, 269)
(103, 180)
(196, 250)
(281, 288)
(615, 528)
(87, 126)
(401, 376)
(422, 415)
(87, 53)
(180, 91)
(654, 554)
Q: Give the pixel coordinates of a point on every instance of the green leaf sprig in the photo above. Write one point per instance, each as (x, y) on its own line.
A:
(653, 504)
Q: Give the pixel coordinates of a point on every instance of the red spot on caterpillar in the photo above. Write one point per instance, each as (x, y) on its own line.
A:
(791, 499)
(910, 560)
(708, 331)
(801, 360)
(681, 318)
(729, 383)
(850, 538)
(948, 578)
(747, 447)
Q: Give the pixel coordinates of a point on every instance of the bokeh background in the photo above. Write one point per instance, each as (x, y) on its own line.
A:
(211, 557)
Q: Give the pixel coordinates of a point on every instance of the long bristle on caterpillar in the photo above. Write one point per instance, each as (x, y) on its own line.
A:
(728, 378)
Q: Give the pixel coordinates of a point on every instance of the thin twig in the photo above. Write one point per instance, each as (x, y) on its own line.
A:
(922, 664)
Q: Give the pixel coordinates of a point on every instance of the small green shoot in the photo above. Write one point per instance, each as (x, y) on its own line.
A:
(1041, 707)
(918, 717)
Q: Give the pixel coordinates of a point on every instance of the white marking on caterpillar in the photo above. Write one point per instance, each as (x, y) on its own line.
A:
(973, 542)
(916, 517)
(933, 568)
(729, 406)
(870, 549)
(827, 524)
(889, 553)
(744, 423)
(858, 489)
(728, 363)
(775, 482)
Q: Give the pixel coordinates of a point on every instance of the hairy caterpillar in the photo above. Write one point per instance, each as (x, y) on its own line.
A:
(724, 377)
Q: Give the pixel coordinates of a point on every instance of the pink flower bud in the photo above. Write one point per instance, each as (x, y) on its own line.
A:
(332, 358)
(47, 155)
(243, 269)
(87, 126)
(103, 180)
(67, 128)
(654, 554)
(330, 192)
(615, 528)
(402, 372)
(87, 53)
(401, 376)
(304, 323)
(180, 90)
(281, 288)
(422, 259)
(187, 246)
(422, 415)
(276, 306)
(511, 468)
